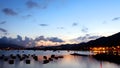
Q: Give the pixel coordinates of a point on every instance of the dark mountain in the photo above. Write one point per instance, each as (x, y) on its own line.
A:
(113, 40)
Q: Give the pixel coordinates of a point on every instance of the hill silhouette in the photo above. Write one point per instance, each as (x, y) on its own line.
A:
(113, 40)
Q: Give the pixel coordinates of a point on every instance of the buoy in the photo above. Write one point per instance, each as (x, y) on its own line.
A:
(12, 56)
(5, 59)
(50, 59)
(11, 61)
(60, 57)
(56, 58)
(45, 57)
(35, 58)
(52, 56)
(27, 61)
(1, 57)
(45, 61)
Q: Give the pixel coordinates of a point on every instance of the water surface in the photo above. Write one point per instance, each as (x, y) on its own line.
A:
(69, 61)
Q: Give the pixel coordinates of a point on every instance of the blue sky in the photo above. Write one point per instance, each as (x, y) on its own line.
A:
(66, 19)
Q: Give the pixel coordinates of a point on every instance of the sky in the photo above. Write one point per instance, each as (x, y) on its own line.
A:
(64, 19)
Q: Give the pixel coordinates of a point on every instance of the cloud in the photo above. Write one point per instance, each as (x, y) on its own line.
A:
(3, 30)
(29, 42)
(42, 4)
(40, 38)
(74, 24)
(104, 22)
(32, 4)
(27, 16)
(93, 37)
(19, 38)
(60, 27)
(85, 38)
(116, 18)
(52, 39)
(9, 11)
(2, 22)
(84, 29)
(43, 24)
(55, 39)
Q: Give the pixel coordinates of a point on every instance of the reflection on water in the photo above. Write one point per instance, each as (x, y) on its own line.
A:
(69, 61)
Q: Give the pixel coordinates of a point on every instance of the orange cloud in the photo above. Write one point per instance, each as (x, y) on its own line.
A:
(47, 43)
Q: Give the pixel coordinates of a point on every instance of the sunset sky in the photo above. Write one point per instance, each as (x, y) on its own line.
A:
(64, 19)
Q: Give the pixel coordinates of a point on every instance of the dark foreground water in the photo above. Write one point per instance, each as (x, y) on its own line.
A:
(69, 61)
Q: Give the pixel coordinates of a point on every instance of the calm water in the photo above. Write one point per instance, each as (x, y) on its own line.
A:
(69, 61)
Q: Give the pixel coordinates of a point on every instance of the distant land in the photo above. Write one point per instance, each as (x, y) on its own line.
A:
(113, 40)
